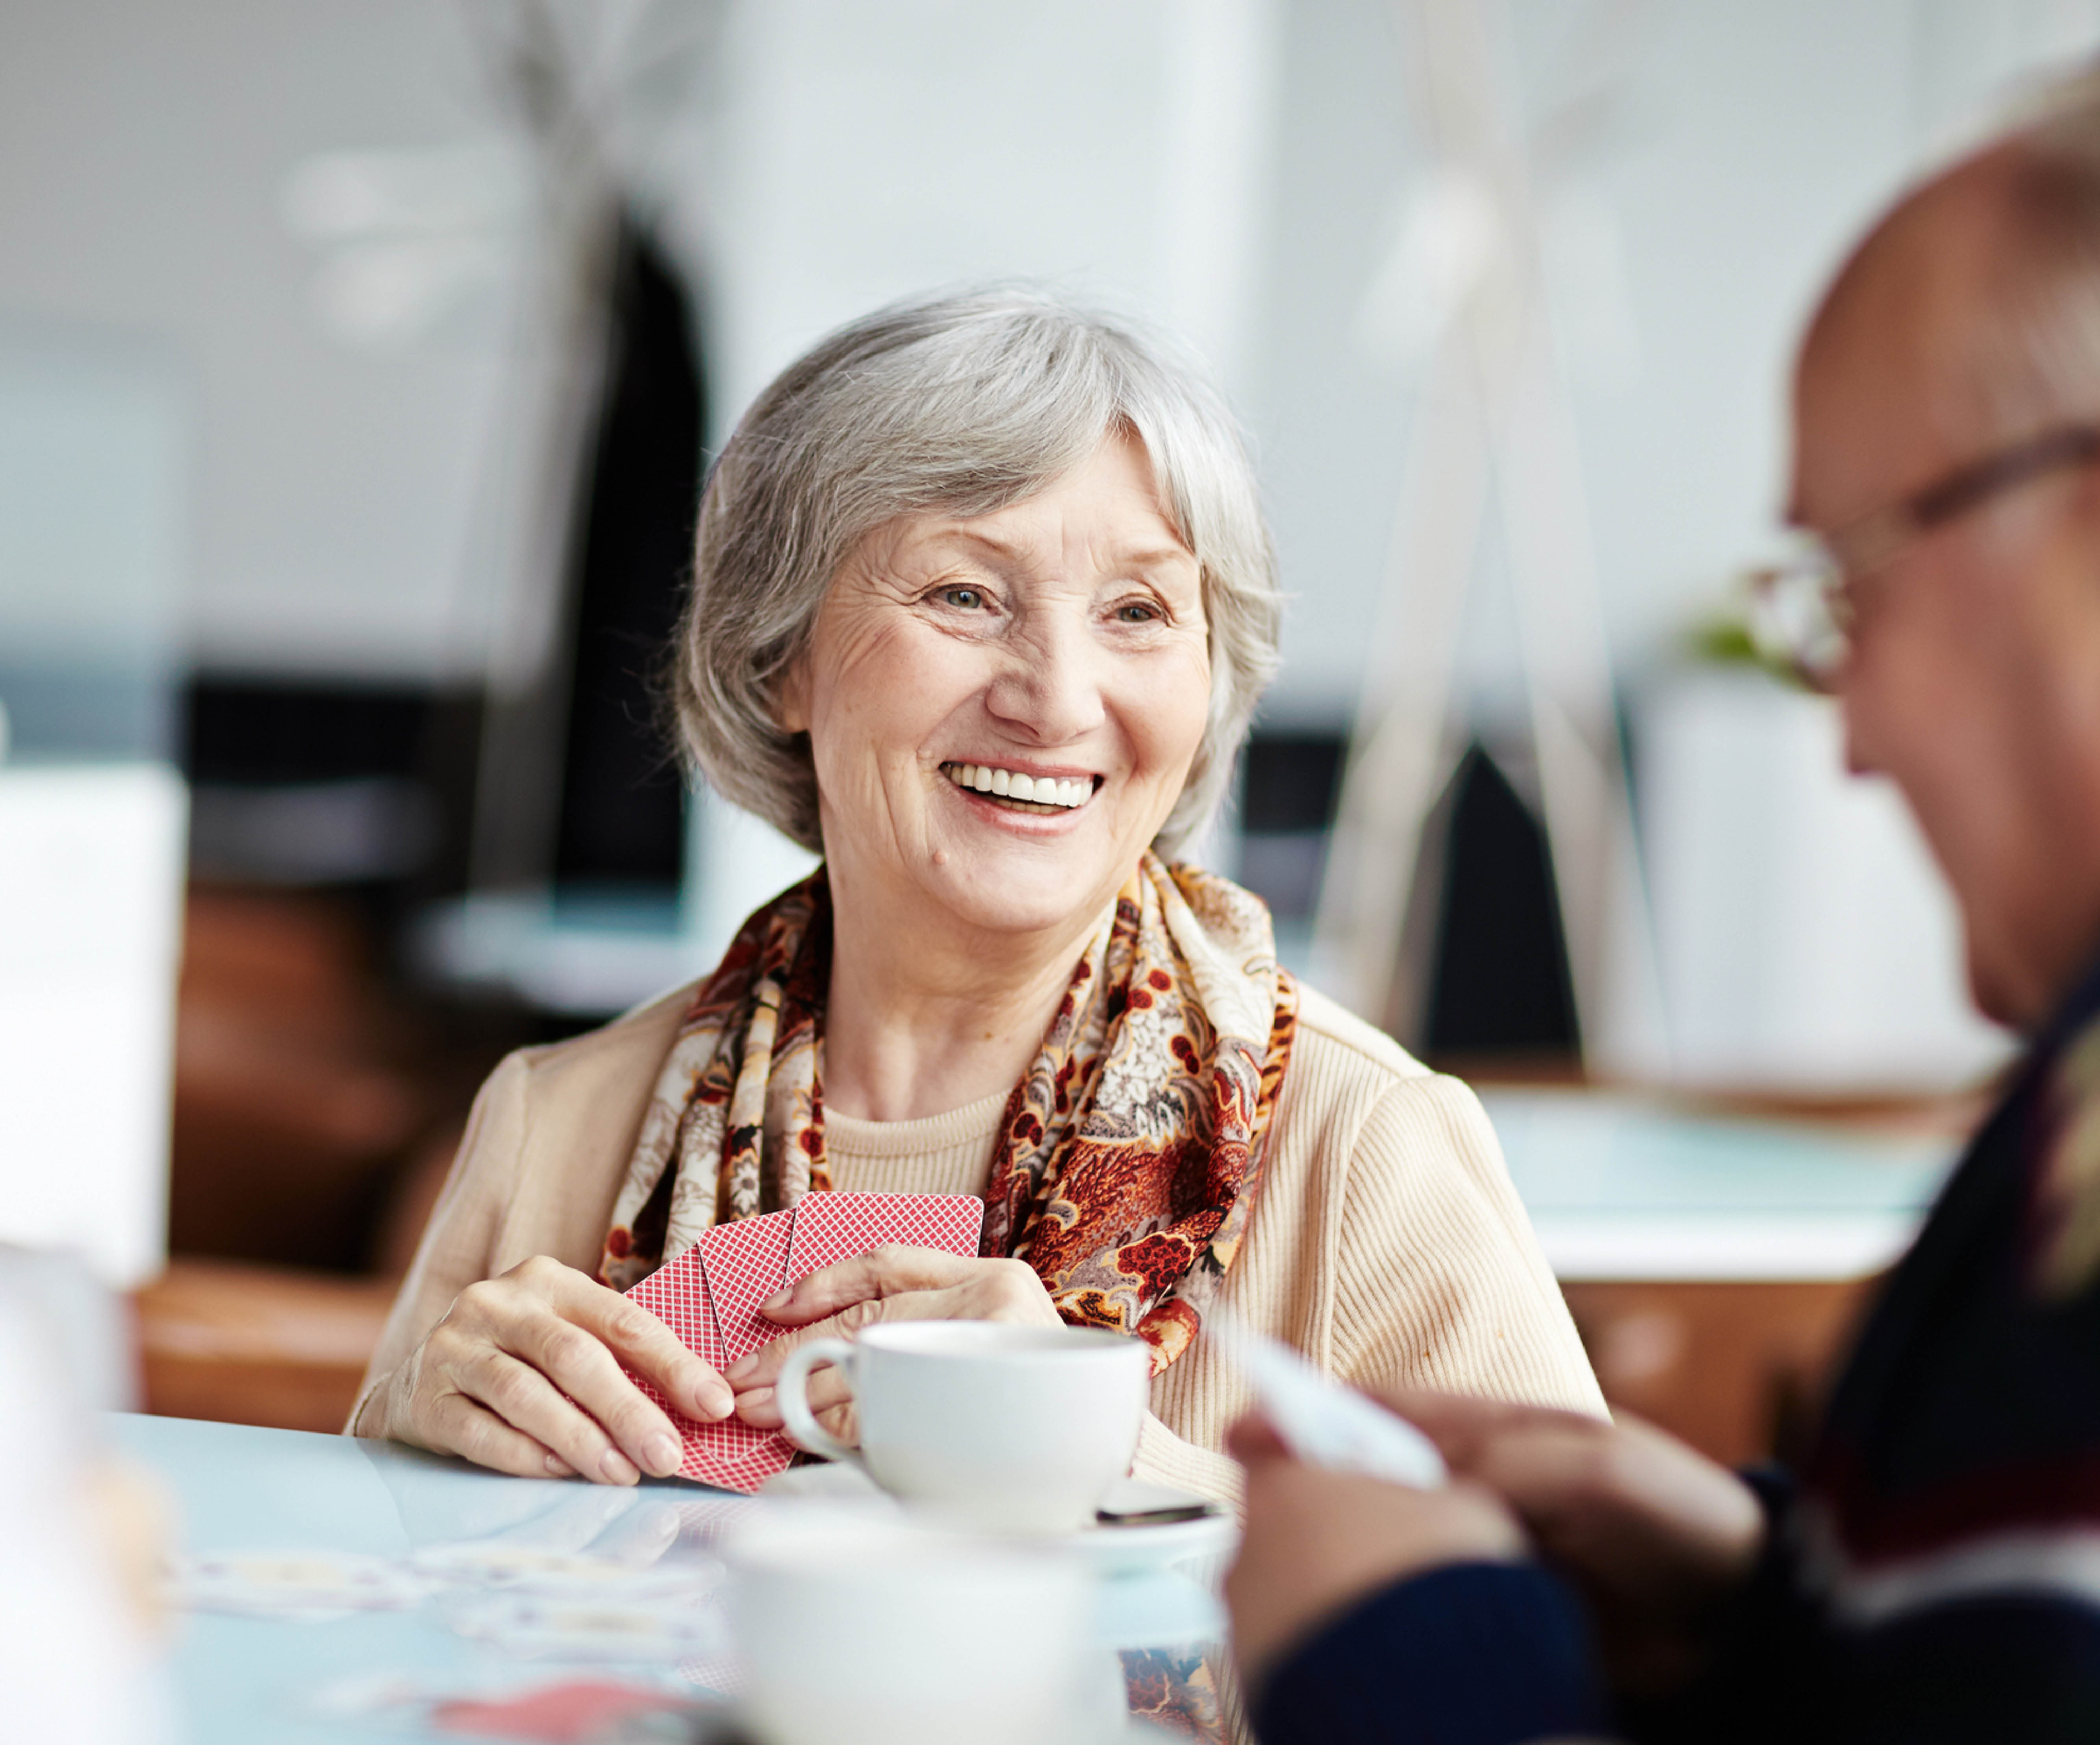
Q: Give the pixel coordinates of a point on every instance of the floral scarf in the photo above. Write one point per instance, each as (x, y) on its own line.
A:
(1129, 1155)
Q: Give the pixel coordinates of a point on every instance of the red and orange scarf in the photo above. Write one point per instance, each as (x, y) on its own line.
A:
(1130, 1154)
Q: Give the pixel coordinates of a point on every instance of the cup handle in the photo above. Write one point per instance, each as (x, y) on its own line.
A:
(790, 1390)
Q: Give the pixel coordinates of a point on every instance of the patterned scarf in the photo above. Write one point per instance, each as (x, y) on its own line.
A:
(1129, 1155)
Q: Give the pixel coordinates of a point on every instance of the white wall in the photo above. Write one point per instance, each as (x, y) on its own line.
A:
(1755, 142)
(144, 152)
(1233, 165)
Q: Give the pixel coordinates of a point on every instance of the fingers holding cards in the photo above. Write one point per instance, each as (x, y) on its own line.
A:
(523, 1402)
(721, 1299)
(643, 1341)
(521, 1374)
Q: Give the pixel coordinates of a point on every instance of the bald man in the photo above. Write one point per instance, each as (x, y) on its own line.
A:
(1933, 1573)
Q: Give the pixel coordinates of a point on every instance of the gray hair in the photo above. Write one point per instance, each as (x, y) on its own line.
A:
(959, 405)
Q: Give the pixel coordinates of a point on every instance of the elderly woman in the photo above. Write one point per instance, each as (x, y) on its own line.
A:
(982, 605)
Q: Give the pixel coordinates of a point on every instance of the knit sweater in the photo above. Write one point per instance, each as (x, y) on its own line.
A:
(1933, 1577)
(1387, 1242)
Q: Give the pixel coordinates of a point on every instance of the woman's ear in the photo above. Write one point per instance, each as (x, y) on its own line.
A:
(791, 696)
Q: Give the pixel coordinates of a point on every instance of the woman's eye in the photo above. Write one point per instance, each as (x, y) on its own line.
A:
(966, 599)
(1137, 612)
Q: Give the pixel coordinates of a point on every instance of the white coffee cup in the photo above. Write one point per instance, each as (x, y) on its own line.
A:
(872, 1631)
(1016, 1429)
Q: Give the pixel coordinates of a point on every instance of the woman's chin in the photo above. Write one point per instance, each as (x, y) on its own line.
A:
(1008, 892)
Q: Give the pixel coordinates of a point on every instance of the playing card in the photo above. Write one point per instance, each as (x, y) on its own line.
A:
(573, 1713)
(315, 1587)
(834, 1227)
(709, 1297)
(676, 1294)
(731, 1453)
(745, 1261)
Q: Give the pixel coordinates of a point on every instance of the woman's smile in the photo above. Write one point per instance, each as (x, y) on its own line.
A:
(1021, 792)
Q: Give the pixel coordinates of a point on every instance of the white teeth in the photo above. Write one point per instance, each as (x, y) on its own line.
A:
(1041, 790)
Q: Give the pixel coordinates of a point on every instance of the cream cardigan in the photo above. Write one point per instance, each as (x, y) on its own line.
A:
(1387, 1243)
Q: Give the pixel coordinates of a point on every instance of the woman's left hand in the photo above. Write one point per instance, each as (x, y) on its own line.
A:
(889, 1283)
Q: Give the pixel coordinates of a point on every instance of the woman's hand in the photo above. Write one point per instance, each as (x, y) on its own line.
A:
(890, 1283)
(1317, 1541)
(1656, 1534)
(522, 1375)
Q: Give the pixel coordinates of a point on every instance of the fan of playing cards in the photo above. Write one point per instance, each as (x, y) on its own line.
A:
(709, 1297)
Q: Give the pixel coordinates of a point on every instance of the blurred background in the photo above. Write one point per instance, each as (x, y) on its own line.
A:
(359, 362)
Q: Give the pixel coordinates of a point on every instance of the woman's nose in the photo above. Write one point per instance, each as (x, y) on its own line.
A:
(1049, 689)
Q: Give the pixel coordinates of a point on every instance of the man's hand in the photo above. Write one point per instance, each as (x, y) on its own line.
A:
(1316, 1541)
(889, 1283)
(1655, 1534)
(522, 1375)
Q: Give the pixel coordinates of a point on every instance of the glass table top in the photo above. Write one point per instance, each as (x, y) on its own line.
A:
(248, 1498)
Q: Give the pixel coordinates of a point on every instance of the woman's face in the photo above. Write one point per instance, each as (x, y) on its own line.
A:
(1057, 648)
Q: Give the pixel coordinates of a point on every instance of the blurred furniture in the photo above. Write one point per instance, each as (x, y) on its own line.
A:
(92, 462)
(298, 1089)
(1736, 1367)
(90, 871)
(242, 1679)
(1805, 941)
(1715, 1259)
(315, 1117)
(243, 1344)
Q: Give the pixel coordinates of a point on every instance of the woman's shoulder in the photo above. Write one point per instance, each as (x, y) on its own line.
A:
(596, 1070)
(1337, 1045)
(554, 1125)
(1346, 1078)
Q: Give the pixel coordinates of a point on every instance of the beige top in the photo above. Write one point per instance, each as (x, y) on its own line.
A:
(1388, 1245)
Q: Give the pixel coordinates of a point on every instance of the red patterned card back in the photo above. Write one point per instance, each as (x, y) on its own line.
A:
(834, 1227)
(731, 1453)
(745, 1262)
(676, 1294)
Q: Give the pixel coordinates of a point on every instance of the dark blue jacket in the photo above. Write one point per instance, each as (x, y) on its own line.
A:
(1932, 1575)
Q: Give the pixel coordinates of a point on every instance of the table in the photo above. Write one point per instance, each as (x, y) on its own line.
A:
(1622, 1187)
(238, 1487)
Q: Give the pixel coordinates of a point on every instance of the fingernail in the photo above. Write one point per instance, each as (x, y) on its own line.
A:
(756, 1403)
(615, 1468)
(742, 1370)
(715, 1400)
(559, 1467)
(777, 1299)
(663, 1451)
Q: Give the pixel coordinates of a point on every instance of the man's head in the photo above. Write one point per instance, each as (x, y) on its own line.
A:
(1968, 321)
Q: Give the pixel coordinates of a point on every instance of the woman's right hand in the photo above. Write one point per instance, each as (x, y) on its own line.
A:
(523, 1375)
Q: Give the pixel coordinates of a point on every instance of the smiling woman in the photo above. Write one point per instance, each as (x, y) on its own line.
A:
(982, 607)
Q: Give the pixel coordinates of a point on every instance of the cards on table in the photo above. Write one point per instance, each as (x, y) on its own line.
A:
(709, 1297)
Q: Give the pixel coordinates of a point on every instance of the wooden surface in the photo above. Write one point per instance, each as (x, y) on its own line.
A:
(243, 1343)
(1737, 1370)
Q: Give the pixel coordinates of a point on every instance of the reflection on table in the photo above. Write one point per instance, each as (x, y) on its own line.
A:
(465, 1628)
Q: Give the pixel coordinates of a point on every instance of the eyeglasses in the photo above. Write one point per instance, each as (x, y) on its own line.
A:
(1802, 609)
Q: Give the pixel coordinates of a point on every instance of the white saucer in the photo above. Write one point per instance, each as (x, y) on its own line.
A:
(1136, 1549)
